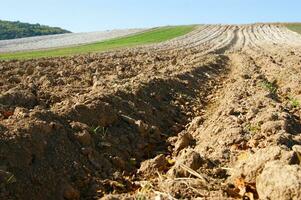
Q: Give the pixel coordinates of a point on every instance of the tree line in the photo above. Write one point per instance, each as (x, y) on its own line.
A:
(12, 30)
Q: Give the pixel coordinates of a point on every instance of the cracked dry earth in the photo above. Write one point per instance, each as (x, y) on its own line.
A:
(214, 114)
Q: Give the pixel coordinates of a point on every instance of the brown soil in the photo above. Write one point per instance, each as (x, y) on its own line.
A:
(214, 114)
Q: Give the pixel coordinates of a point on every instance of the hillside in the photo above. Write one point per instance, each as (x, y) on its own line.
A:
(12, 30)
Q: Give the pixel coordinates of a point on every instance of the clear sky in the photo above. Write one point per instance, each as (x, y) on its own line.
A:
(93, 15)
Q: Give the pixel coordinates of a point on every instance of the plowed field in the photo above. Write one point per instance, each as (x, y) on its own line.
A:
(213, 114)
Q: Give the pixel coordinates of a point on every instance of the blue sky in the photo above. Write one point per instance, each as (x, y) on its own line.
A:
(92, 15)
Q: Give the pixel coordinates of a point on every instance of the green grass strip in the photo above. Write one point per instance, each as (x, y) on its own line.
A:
(156, 35)
(294, 27)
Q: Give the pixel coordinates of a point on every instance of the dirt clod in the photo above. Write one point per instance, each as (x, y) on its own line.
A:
(84, 137)
(190, 159)
(250, 165)
(279, 181)
(184, 140)
(17, 97)
(70, 193)
(151, 167)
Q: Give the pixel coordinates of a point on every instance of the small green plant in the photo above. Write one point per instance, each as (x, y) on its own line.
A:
(253, 128)
(271, 87)
(133, 161)
(102, 131)
(11, 179)
(144, 190)
(294, 102)
(140, 197)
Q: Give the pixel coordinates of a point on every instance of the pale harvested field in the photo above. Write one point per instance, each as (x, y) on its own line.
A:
(61, 40)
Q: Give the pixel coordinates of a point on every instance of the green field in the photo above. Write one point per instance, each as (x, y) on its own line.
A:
(294, 27)
(149, 37)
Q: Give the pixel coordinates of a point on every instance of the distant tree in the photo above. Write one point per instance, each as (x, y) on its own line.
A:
(12, 30)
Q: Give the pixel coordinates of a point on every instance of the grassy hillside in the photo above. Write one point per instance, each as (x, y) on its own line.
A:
(294, 27)
(153, 36)
(12, 30)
